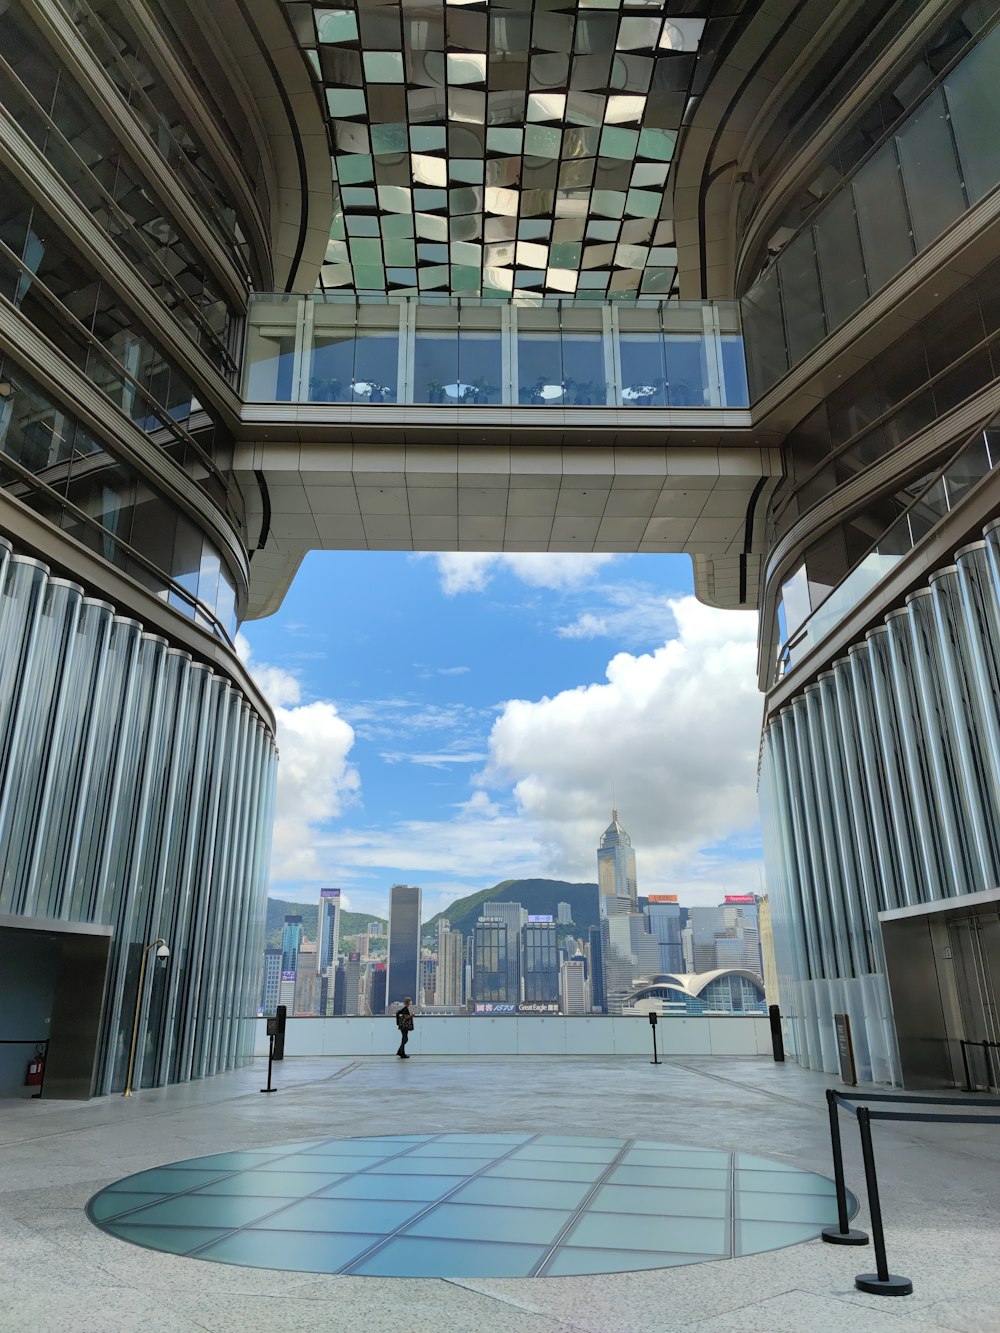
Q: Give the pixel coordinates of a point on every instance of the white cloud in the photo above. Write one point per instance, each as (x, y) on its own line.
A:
(630, 614)
(471, 571)
(315, 779)
(674, 732)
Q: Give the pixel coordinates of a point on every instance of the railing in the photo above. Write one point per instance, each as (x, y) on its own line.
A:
(992, 1075)
(481, 353)
(882, 1282)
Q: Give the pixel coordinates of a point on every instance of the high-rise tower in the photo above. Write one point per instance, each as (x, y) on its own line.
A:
(404, 944)
(616, 868)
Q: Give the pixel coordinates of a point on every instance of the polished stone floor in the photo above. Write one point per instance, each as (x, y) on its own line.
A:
(60, 1272)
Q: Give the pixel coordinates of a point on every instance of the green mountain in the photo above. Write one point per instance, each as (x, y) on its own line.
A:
(351, 923)
(539, 897)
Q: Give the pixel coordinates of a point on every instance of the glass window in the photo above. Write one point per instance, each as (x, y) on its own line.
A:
(643, 370)
(480, 363)
(734, 372)
(767, 358)
(853, 407)
(842, 269)
(800, 296)
(826, 565)
(332, 368)
(882, 218)
(930, 171)
(901, 370)
(687, 371)
(435, 368)
(973, 93)
(583, 367)
(376, 364)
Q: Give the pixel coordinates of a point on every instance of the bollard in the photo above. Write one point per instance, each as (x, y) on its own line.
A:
(652, 1023)
(842, 1234)
(270, 1056)
(881, 1282)
(777, 1040)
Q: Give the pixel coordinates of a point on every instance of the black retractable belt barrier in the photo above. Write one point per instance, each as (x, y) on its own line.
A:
(842, 1234)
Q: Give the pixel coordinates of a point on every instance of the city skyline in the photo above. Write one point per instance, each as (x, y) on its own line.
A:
(478, 725)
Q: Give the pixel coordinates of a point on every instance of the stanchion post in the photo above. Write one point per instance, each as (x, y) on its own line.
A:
(842, 1234)
(881, 1282)
(270, 1060)
(965, 1065)
(652, 1023)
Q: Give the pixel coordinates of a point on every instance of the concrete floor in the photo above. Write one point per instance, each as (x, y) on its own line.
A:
(940, 1197)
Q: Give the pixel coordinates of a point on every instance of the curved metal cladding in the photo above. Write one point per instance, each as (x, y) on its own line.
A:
(136, 788)
(879, 789)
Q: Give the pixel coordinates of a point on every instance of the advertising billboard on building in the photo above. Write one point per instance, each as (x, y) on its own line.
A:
(329, 893)
(494, 1007)
(288, 976)
(740, 898)
(538, 1007)
(544, 920)
(662, 898)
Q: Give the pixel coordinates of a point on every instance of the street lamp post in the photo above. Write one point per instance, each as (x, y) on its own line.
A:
(162, 951)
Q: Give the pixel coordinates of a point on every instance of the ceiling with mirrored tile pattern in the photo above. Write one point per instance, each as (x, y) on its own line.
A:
(502, 149)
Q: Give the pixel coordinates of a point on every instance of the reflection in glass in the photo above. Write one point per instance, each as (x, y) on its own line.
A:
(435, 368)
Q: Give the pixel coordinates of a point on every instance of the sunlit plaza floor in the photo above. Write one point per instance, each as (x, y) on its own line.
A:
(573, 1135)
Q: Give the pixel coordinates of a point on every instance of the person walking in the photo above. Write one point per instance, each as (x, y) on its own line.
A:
(404, 1021)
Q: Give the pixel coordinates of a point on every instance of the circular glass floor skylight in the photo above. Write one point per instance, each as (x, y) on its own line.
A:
(468, 1205)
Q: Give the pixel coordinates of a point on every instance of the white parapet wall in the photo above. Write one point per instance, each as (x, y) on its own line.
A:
(481, 1035)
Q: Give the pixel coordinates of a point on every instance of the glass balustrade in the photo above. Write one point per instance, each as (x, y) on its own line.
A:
(466, 353)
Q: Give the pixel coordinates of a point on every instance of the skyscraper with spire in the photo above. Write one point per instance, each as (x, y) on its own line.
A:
(616, 870)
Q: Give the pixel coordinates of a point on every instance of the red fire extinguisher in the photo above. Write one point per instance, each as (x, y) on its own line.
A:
(36, 1069)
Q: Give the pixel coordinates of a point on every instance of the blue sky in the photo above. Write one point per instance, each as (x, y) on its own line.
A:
(454, 720)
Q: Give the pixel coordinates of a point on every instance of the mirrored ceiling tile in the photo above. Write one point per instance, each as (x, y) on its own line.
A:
(658, 281)
(630, 256)
(400, 253)
(637, 231)
(537, 203)
(433, 277)
(500, 140)
(468, 228)
(467, 140)
(428, 138)
(426, 68)
(383, 66)
(581, 141)
(466, 67)
(389, 139)
(585, 108)
(619, 143)
(571, 229)
(657, 144)
(466, 278)
(624, 280)
(638, 34)
(465, 199)
(361, 225)
(424, 32)
(387, 103)
(664, 233)
(534, 229)
(427, 170)
(467, 104)
(603, 231)
(365, 250)
(351, 137)
(664, 110)
(429, 253)
(430, 201)
(590, 72)
(393, 199)
(337, 252)
(503, 171)
(578, 174)
(663, 256)
(552, 32)
(354, 168)
(358, 196)
(431, 228)
(597, 256)
(672, 74)
(340, 67)
(380, 28)
(465, 169)
(401, 277)
(509, 32)
(499, 229)
(507, 108)
(624, 110)
(646, 174)
(596, 280)
(344, 102)
(312, 56)
(561, 279)
(338, 228)
(426, 105)
(498, 279)
(336, 25)
(530, 255)
(508, 71)
(301, 18)
(546, 106)
(539, 175)
(681, 34)
(542, 141)
(643, 203)
(500, 255)
(566, 255)
(393, 170)
(632, 74)
(595, 35)
(468, 29)
(397, 226)
(502, 202)
(571, 204)
(337, 275)
(611, 175)
(468, 254)
(548, 70)
(608, 203)
(529, 278)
